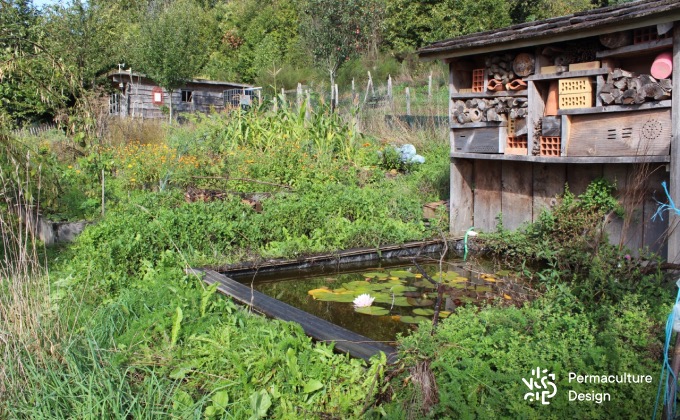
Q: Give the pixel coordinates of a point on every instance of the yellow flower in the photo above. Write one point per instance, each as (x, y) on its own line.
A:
(70, 167)
(132, 180)
(130, 166)
(77, 171)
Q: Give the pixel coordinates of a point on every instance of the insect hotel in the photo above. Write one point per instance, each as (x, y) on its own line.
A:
(565, 101)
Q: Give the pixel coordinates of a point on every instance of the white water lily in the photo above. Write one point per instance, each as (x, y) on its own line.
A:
(363, 301)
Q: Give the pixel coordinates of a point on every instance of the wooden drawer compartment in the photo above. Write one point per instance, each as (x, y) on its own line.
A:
(480, 139)
(631, 133)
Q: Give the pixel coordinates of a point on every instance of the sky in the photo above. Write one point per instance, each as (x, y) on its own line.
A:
(41, 3)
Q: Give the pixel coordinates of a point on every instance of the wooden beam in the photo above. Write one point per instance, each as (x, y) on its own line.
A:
(462, 199)
(674, 187)
(487, 199)
(517, 196)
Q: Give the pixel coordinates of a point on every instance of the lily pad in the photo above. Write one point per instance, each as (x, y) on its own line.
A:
(336, 297)
(372, 310)
(361, 285)
(317, 291)
(424, 283)
(444, 314)
(420, 301)
(377, 274)
(424, 311)
(413, 319)
(400, 288)
(401, 274)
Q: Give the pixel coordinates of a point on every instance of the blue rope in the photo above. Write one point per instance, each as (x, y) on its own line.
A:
(670, 206)
(666, 367)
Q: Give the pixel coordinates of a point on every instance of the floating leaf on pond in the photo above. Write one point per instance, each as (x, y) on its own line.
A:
(412, 294)
(361, 285)
(503, 273)
(401, 301)
(396, 317)
(401, 274)
(420, 301)
(335, 297)
(400, 288)
(424, 311)
(319, 290)
(418, 276)
(393, 278)
(444, 314)
(488, 277)
(424, 283)
(372, 310)
(413, 319)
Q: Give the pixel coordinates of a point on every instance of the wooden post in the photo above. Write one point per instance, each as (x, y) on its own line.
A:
(408, 101)
(674, 187)
(429, 87)
(283, 97)
(353, 92)
(369, 85)
(389, 92)
(299, 95)
(308, 108)
(335, 95)
(103, 190)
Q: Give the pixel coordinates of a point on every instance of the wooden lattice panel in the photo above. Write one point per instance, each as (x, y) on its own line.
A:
(517, 145)
(576, 100)
(478, 83)
(550, 146)
(575, 85)
(647, 34)
(634, 133)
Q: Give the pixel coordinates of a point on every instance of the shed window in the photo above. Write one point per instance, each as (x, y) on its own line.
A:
(187, 95)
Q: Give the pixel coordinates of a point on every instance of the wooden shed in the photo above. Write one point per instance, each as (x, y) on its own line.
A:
(139, 96)
(562, 101)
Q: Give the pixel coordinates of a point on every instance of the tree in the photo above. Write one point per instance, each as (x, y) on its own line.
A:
(171, 47)
(335, 31)
(410, 25)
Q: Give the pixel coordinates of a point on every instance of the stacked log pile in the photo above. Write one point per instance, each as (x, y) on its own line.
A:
(499, 67)
(496, 109)
(625, 88)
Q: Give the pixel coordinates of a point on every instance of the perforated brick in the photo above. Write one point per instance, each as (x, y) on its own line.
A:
(575, 85)
(516, 145)
(550, 146)
(576, 100)
(478, 80)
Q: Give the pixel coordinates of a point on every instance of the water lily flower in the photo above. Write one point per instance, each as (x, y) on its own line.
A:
(363, 301)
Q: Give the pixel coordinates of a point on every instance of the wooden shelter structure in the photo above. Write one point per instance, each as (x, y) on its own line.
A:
(562, 101)
(139, 96)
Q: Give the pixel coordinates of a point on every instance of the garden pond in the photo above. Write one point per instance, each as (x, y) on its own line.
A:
(403, 296)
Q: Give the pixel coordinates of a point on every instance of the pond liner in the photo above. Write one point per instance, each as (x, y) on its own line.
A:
(346, 341)
(350, 256)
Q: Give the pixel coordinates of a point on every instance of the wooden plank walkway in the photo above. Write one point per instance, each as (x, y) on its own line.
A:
(319, 329)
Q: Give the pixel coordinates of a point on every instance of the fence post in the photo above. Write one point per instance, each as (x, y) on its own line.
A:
(429, 87)
(299, 95)
(353, 92)
(369, 86)
(389, 92)
(308, 108)
(408, 101)
(283, 97)
(336, 95)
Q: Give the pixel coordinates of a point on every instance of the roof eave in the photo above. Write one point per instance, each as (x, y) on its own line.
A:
(568, 35)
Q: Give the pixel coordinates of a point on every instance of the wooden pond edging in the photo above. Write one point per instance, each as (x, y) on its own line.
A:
(319, 329)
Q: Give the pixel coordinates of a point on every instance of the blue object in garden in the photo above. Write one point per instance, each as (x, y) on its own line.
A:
(670, 206)
(407, 154)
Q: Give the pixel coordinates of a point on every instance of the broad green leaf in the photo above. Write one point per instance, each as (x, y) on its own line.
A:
(372, 310)
(424, 311)
(413, 319)
(311, 386)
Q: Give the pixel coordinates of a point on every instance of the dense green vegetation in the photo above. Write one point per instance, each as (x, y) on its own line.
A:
(113, 326)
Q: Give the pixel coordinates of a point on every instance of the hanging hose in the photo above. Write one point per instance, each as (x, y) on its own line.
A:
(469, 232)
(666, 370)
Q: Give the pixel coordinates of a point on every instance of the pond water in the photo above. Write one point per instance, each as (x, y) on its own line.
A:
(403, 296)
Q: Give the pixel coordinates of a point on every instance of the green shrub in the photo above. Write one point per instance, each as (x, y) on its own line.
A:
(479, 358)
